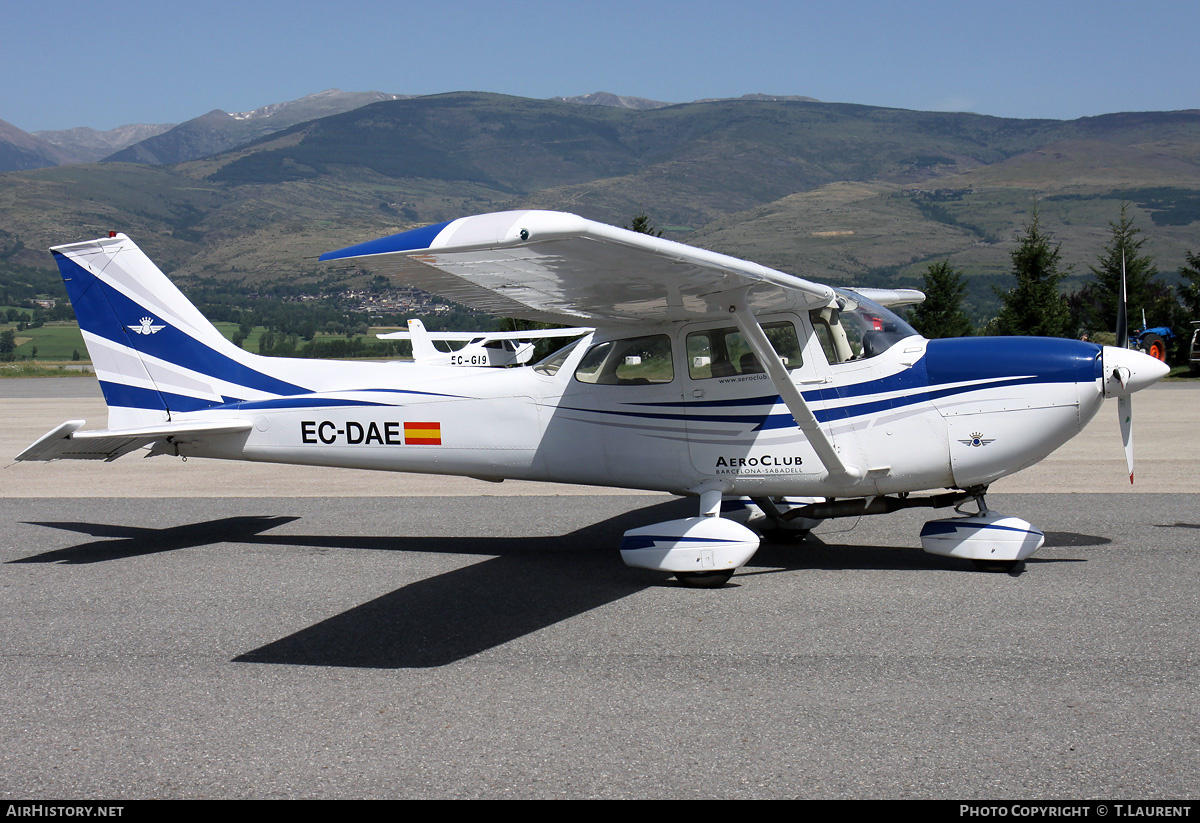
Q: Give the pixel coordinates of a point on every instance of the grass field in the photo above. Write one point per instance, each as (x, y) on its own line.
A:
(59, 341)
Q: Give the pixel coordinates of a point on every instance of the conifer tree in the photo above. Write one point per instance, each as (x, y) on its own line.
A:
(941, 313)
(641, 224)
(1189, 289)
(1143, 289)
(1035, 306)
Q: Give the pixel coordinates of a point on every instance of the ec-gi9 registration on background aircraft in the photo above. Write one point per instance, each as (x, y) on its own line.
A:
(774, 401)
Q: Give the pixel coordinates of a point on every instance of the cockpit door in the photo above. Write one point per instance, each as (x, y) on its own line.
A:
(738, 426)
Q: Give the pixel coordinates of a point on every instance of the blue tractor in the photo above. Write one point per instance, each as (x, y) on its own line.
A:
(1152, 341)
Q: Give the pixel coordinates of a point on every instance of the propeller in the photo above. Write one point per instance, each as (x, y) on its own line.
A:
(1125, 402)
(1125, 413)
(1122, 322)
(1127, 371)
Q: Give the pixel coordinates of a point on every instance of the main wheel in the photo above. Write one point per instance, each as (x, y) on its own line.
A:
(704, 580)
(995, 565)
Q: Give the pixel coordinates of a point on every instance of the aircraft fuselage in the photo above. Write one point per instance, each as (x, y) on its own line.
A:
(954, 413)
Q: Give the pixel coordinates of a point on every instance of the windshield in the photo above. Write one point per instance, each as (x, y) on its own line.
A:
(857, 328)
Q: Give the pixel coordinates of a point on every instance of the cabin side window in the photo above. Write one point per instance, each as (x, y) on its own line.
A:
(638, 361)
(725, 353)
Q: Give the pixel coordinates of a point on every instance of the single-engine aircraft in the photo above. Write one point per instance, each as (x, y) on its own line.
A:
(490, 348)
(775, 401)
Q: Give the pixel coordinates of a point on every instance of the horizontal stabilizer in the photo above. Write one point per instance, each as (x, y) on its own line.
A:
(66, 442)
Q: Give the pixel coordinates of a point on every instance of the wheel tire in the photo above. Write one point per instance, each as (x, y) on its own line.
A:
(704, 580)
(996, 566)
(1155, 346)
(784, 537)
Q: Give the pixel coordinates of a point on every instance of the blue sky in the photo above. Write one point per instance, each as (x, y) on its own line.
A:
(103, 64)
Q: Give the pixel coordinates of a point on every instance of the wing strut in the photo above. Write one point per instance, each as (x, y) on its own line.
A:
(754, 335)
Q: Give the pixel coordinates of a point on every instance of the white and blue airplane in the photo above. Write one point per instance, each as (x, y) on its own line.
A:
(774, 401)
(475, 348)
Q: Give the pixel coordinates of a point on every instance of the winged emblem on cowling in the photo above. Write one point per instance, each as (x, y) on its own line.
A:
(977, 439)
(147, 326)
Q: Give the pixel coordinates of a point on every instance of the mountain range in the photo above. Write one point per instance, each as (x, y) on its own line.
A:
(833, 192)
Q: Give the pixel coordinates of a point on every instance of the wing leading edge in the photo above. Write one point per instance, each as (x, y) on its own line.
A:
(561, 268)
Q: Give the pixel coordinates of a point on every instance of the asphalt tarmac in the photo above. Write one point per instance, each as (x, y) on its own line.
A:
(279, 634)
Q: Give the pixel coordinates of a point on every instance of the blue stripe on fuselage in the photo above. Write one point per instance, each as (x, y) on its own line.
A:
(947, 364)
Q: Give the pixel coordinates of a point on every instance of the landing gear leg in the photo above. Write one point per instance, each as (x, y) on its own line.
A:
(702, 552)
(987, 565)
(710, 506)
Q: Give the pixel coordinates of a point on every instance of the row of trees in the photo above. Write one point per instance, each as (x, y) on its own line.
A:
(1037, 306)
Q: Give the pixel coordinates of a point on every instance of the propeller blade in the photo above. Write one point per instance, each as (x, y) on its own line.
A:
(1122, 321)
(1125, 412)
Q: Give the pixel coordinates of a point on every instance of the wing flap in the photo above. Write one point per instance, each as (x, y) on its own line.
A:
(66, 442)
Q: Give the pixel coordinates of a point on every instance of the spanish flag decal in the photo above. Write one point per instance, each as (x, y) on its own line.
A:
(423, 434)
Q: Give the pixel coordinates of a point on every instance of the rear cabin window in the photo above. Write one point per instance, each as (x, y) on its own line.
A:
(551, 364)
(725, 353)
(638, 361)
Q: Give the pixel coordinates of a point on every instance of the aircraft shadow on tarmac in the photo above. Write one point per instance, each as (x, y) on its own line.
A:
(136, 541)
(527, 584)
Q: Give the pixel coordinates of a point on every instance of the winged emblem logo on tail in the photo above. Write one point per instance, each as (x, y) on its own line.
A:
(147, 326)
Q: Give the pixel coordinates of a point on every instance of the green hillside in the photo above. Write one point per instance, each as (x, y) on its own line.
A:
(828, 191)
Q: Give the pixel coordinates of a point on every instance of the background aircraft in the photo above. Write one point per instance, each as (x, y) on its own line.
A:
(497, 348)
(752, 390)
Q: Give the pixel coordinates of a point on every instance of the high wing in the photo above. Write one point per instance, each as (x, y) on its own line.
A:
(561, 268)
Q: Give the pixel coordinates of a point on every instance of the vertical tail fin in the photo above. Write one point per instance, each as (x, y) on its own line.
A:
(154, 352)
(422, 344)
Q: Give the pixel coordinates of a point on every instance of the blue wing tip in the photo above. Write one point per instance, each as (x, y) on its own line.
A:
(412, 240)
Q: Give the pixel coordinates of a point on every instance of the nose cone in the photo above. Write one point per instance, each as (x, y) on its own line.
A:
(1127, 371)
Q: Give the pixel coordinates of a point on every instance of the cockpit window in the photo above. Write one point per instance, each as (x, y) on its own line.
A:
(634, 362)
(857, 328)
